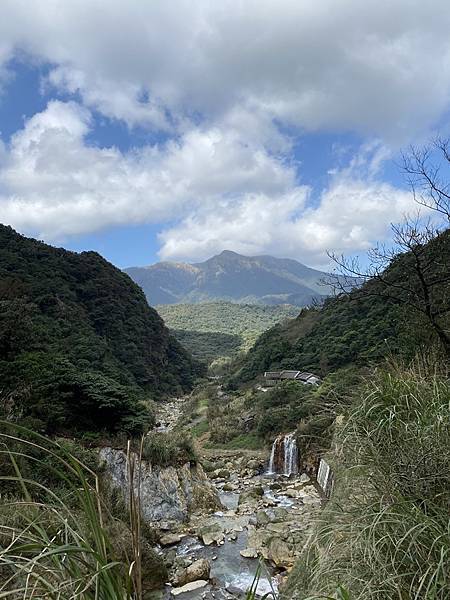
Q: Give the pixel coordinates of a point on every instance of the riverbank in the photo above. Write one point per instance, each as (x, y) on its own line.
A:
(265, 520)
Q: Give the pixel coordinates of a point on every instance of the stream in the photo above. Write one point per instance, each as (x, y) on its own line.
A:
(265, 516)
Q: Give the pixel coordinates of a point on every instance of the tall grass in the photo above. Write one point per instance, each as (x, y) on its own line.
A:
(55, 545)
(386, 532)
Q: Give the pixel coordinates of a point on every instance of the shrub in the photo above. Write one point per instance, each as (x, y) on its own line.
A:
(386, 531)
(169, 449)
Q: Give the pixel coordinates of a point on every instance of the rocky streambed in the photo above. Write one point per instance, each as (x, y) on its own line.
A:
(265, 520)
(221, 523)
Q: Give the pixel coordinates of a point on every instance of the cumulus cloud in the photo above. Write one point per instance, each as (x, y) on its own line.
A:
(378, 66)
(225, 81)
(350, 216)
(54, 183)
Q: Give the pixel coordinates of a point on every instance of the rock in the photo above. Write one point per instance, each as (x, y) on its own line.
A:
(223, 473)
(168, 494)
(280, 553)
(198, 570)
(251, 495)
(291, 493)
(262, 517)
(228, 487)
(304, 478)
(170, 539)
(169, 557)
(254, 465)
(249, 553)
(212, 533)
(279, 514)
(189, 587)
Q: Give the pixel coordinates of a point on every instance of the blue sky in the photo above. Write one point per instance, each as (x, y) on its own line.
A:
(172, 131)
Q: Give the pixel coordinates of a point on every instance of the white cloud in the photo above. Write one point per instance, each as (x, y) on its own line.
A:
(224, 81)
(379, 66)
(350, 216)
(54, 183)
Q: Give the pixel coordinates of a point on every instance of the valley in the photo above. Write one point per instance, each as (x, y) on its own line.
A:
(176, 480)
(261, 514)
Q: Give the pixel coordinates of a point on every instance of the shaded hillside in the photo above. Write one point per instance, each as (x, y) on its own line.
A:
(79, 345)
(361, 327)
(221, 329)
(232, 277)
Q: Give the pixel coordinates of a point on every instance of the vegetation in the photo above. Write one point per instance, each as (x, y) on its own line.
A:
(386, 531)
(57, 538)
(169, 449)
(80, 349)
(221, 329)
(361, 327)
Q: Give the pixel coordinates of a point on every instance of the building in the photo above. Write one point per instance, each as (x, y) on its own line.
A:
(274, 377)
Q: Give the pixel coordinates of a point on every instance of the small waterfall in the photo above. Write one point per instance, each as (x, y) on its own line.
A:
(284, 455)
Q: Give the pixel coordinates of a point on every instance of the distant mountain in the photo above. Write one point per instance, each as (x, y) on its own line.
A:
(232, 277)
(79, 345)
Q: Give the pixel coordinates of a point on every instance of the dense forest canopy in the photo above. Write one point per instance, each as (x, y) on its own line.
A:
(382, 318)
(79, 345)
(221, 329)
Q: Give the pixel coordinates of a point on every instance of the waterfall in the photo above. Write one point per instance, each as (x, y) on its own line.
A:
(284, 455)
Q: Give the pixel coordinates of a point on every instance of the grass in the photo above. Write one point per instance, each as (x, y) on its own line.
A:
(243, 441)
(49, 549)
(199, 429)
(386, 532)
(169, 449)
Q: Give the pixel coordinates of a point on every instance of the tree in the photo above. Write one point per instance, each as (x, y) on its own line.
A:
(427, 170)
(415, 270)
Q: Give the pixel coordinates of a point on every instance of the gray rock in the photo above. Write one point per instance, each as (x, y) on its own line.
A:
(211, 534)
(168, 495)
(249, 553)
(251, 495)
(261, 517)
(199, 569)
(170, 539)
(189, 587)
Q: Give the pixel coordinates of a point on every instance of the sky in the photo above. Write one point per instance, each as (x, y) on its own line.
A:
(149, 130)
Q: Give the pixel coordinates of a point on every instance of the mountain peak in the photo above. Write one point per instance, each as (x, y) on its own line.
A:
(231, 277)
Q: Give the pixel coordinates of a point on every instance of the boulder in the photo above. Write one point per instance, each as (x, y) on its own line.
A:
(249, 553)
(251, 495)
(291, 493)
(262, 517)
(228, 487)
(211, 534)
(199, 569)
(279, 514)
(280, 553)
(170, 539)
(189, 587)
(223, 473)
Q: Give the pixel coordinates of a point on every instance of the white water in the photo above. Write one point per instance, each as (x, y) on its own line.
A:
(288, 445)
(290, 455)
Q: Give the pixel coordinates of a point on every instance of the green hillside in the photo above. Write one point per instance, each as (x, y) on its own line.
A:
(221, 329)
(360, 328)
(79, 345)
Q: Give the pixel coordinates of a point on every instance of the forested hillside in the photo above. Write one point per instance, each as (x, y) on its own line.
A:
(79, 345)
(221, 329)
(387, 316)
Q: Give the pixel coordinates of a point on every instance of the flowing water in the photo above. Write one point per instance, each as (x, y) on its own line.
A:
(284, 455)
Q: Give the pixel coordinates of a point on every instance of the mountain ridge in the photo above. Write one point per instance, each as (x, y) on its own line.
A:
(231, 277)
